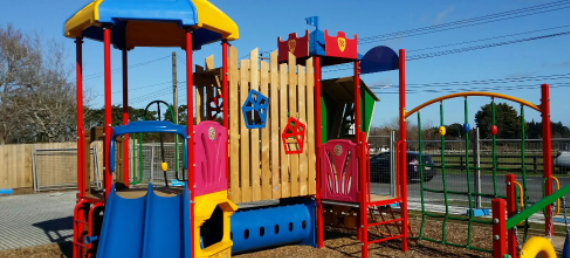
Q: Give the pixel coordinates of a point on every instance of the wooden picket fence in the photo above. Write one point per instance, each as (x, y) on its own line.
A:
(16, 169)
(259, 169)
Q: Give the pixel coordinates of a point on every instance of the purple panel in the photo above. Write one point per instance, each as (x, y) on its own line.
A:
(339, 170)
(210, 158)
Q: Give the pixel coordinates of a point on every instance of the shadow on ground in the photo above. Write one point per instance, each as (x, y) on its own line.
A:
(59, 231)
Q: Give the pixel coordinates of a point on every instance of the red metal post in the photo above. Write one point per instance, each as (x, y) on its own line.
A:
(107, 177)
(546, 149)
(357, 101)
(225, 99)
(511, 211)
(363, 201)
(126, 116)
(80, 129)
(403, 167)
(362, 180)
(318, 128)
(499, 228)
(190, 127)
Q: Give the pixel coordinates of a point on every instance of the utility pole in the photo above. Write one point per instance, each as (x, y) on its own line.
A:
(174, 88)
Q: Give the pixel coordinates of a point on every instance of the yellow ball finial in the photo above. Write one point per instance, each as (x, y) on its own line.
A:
(442, 130)
(164, 166)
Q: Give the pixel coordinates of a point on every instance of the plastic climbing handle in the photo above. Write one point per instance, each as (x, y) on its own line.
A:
(146, 127)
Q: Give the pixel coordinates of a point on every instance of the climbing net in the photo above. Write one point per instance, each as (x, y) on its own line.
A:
(470, 193)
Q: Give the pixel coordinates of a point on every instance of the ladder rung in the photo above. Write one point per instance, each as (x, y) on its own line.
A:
(384, 222)
(80, 244)
(384, 239)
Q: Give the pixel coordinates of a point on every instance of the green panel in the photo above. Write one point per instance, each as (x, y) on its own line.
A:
(328, 110)
(367, 104)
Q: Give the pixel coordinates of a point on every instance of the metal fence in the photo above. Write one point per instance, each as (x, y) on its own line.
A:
(382, 164)
(150, 162)
(56, 169)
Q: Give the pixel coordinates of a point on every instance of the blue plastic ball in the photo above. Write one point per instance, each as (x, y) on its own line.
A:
(466, 127)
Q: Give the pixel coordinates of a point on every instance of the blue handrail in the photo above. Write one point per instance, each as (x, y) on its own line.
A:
(146, 127)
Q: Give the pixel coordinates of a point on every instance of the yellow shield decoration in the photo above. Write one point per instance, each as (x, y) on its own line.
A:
(341, 44)
(292, 45)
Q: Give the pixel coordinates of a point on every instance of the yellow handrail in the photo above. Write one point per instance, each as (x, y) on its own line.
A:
(474, 93)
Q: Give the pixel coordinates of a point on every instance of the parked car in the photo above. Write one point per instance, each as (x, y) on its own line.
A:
(380, 167)
(563, 161)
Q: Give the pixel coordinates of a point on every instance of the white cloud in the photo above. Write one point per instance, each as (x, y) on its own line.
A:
(440, 16)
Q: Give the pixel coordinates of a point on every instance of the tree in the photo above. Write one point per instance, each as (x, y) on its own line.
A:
(507, 121)
(37, 99)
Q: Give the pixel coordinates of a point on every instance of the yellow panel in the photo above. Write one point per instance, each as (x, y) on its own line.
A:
(85, 18)
(205, 205)
(212, 18)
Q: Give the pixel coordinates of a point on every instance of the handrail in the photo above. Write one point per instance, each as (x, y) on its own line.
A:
(514, 220)
(521, 195)
(557, 188)
(146, 127)
(398, 168)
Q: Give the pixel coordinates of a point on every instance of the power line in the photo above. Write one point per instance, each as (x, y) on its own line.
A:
(461, 50)
(97, 75)
(528, 11)
(491, 88)
(491, 45)
(479, 82)
(485, 39)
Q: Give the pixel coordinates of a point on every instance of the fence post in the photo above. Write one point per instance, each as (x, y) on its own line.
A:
(152, 164)
(477, 163)
(392, 163)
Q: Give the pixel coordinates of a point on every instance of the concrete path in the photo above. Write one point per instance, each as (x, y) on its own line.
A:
(36, 219)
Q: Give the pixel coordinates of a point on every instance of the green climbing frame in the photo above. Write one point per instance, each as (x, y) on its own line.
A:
(137, 180)
(469, 193)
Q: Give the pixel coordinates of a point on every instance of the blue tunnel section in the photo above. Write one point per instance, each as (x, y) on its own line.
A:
(150, 226)
(261, 228)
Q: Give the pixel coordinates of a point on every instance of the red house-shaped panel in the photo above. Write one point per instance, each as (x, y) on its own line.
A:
(299, 47)
(341, 46)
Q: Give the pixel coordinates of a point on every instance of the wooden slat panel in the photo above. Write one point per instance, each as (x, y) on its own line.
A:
(294, 159)
(310, 144)
(301, 100)
(246, 194)
(265, 151)
(235, 191)
(274, 119)
(254, 133)
(284, 100)
(209, 94)
(199, 92)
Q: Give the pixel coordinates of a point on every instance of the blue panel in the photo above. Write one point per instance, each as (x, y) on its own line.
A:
(252, 223)
(379, 59)
(566, 248)
(146, 127)
(151, 226)
(259, 104)
(317, 43)
(182, 12)
(6, 191)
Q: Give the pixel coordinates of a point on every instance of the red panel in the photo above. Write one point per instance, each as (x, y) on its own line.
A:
(298, 46)
(340, 46)
(339, 170)
(294, 129)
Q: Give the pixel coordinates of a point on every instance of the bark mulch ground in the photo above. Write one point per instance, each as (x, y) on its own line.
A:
(339, 243)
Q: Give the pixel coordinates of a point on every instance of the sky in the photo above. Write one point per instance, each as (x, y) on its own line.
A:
(262, 22)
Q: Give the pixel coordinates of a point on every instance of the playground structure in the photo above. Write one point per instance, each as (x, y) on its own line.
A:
(286, 134)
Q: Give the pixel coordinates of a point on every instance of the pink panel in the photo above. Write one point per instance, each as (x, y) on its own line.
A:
(339, 170)
(210, 158)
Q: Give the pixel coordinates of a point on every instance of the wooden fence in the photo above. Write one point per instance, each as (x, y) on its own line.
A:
(259, 169)
(16, 164)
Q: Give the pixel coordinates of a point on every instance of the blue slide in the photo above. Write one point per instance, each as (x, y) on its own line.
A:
(150, 226)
